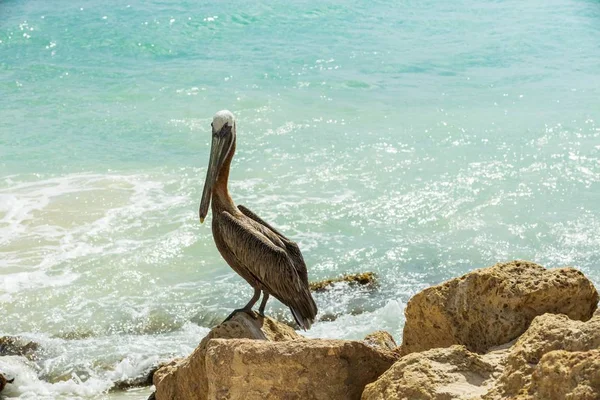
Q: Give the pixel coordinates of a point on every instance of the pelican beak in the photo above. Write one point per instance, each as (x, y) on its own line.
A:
(221, 143)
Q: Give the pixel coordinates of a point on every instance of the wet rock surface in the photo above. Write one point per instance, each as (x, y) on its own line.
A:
(18, 346)
(362, 279)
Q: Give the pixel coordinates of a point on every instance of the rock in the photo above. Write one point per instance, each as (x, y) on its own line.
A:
(165, 370)
(381, 340)
(301, 369)
(4, 381)
(437, 374)
(548, 334)
(363, 279)
(17, 346)
(492, 306)
(139, 381)
(147, 378)
(186, 378)
(566, 375)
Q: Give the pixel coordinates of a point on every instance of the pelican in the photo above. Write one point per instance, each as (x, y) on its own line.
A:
(270, 262)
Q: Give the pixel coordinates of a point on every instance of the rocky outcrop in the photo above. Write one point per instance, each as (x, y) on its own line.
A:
(541, 322)
(186, 378)
(552, 343)
(18, 346)
(271, 361)
(555, 359)
(301, 369)
(492, 306)
(362, 279)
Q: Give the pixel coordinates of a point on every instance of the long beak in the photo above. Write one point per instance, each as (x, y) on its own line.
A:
(218, 151)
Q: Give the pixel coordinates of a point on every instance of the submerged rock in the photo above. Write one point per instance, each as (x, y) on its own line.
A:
(140, 381)
(4, 381)
(187, 379)
(299, 369)
(18, 346)
(363, 279)
(492, 306)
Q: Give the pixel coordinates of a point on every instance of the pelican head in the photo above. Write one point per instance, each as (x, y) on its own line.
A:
(223, 137)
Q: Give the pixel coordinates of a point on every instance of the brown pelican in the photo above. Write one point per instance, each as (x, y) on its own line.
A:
(259, 253)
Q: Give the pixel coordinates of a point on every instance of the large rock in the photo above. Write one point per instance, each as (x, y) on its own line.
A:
(557, 358)
(566, 375)
(186, 379)
(437, 374)
(492, 306)
(549, 358)
(302, 369)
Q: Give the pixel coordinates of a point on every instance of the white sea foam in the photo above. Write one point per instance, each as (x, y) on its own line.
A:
(388, 318)
(13, 283)
(27, 384)
(64, 368)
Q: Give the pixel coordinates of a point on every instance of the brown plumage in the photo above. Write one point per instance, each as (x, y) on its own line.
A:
(263, 256)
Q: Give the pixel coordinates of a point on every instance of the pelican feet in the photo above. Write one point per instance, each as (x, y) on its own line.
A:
(248, 307)
(248, 311)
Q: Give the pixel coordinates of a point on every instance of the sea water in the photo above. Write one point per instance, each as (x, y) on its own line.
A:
(414, 139)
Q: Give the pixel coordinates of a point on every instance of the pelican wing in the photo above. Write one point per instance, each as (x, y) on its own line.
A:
(259, 249)
(256, 218)
(292, 248)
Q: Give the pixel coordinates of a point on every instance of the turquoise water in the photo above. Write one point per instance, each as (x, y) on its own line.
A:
(418, 140)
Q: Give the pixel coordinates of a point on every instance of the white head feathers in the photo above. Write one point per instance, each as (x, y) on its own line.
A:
(221, 118)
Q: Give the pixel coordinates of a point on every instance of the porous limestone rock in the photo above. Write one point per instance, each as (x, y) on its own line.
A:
(566, 375)
(436, 374)
(381, 340)
(548, 356)
(492, 306)
(186, 379)
(311, 369)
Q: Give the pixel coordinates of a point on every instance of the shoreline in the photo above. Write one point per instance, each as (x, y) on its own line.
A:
(477, 324)
(473, 319)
